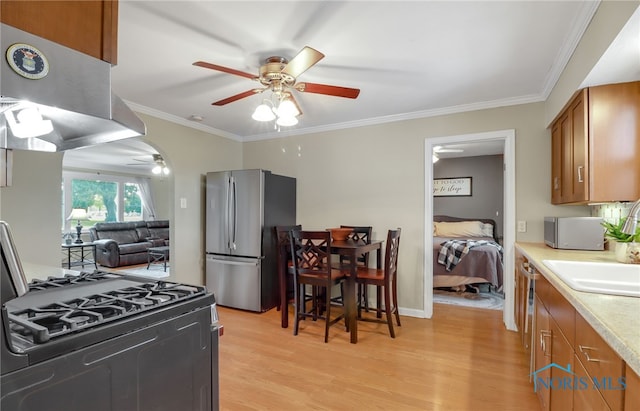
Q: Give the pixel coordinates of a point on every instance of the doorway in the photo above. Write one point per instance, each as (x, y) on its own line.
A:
(508, 217)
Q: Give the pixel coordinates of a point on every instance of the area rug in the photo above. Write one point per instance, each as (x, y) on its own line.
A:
(154, 271)
(486, 300)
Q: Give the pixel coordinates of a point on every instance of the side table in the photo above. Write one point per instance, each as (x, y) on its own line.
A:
(158, 255)
(79, 254)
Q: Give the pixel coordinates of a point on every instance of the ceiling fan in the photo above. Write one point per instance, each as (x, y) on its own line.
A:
(280, 75)
(160, 165)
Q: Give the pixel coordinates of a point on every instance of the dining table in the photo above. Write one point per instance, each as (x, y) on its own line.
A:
(351, 250)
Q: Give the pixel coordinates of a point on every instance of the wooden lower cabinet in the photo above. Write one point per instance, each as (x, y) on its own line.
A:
(563, 382)
(542, 353)
(632, 390)
(579, 369)
(586, 398)
(601, 363)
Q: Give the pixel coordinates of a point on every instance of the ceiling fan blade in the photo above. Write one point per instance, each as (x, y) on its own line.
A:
(224, 69)
(302, 61)
(328, 90)
(237, 97)
(295, 102)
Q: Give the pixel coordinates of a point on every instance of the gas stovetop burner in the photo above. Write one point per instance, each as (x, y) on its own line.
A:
(41, 323)
(84, 277)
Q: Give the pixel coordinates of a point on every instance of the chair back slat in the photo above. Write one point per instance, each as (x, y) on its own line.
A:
(391, 255)
(311, 252)
(359, 234)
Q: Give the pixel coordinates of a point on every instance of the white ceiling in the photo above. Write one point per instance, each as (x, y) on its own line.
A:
(410, 59)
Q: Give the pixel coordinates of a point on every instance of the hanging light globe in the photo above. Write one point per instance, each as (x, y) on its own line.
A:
(263, 113)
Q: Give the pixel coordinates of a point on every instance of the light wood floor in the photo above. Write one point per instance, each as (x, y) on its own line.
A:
(461, 359)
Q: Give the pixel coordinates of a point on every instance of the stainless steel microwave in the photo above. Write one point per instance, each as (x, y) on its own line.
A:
(574, 233)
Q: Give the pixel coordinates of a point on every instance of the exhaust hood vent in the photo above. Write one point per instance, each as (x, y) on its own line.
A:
(69, 106)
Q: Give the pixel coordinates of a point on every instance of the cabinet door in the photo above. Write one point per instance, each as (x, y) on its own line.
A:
(614, 139)
(566, 152)
(579, 153)
(519, 302)
(90, 27)
(632, 390)
(542, 352)
(556, 164)
(587, 398)
(561, 395)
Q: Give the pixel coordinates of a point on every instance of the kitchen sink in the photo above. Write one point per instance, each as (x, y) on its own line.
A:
(603, 278)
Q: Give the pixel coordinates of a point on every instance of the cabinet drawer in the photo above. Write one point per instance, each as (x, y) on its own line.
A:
(601, 362)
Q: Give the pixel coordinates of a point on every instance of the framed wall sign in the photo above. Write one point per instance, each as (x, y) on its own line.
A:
(452, 187)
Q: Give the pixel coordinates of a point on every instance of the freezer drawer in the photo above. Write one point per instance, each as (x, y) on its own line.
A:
(236, 282)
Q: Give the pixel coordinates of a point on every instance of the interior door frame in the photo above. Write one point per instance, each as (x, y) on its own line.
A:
(508, 136)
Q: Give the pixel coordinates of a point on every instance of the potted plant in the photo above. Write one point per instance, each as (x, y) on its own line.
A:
(626, 246)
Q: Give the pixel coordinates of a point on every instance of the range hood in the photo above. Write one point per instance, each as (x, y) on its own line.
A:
(73, 99)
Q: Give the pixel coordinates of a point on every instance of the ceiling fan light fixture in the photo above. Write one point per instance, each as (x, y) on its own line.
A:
(263, 113)
(287, 121)
(287, 109)
(156, 170)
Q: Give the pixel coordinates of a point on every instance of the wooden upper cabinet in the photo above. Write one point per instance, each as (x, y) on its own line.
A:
(556, 164)
(595, 146)
(90, 27)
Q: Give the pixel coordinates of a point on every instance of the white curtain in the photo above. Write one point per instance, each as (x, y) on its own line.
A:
(147, 198)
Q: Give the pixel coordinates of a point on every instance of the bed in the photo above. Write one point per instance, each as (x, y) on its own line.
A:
(483, 262)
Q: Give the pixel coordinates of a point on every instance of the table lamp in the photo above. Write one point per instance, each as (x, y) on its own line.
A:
(78, 214)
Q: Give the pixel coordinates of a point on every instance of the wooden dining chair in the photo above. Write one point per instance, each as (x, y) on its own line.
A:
(360, 234)
(385, 281)
(284, 263)
(311, 251)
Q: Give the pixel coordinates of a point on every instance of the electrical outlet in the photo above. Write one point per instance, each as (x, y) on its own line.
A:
(522, 226)
(183, 202)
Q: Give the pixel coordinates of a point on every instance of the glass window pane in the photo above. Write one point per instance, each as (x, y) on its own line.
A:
(97, 198)
(132, 202)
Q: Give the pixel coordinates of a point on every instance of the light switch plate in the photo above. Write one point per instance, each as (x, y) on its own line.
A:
(522, 226)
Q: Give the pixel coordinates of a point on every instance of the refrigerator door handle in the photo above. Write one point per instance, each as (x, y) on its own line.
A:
(231, 262)
(228, 215)
(234, 209)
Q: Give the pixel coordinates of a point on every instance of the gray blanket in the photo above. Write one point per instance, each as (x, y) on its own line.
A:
(483, 259)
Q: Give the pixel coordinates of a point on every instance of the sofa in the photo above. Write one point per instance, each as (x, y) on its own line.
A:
(126, 243)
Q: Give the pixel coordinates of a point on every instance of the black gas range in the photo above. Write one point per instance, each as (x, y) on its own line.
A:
(105, 341)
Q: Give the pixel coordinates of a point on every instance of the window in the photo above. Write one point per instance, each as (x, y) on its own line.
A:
(102, 197)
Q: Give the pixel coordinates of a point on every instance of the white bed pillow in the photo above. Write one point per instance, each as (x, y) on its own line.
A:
(460, 229)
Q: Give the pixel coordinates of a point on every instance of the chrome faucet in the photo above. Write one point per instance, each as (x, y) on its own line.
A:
(631, 223)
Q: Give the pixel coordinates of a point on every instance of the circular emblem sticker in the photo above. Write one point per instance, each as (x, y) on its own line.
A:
(27, 61)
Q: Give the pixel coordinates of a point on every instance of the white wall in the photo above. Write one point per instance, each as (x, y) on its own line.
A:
(32, 206)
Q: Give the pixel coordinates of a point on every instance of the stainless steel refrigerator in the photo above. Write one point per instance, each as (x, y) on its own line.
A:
(242, 208)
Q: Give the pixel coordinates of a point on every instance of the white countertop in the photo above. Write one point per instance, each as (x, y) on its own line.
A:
(615, 318)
